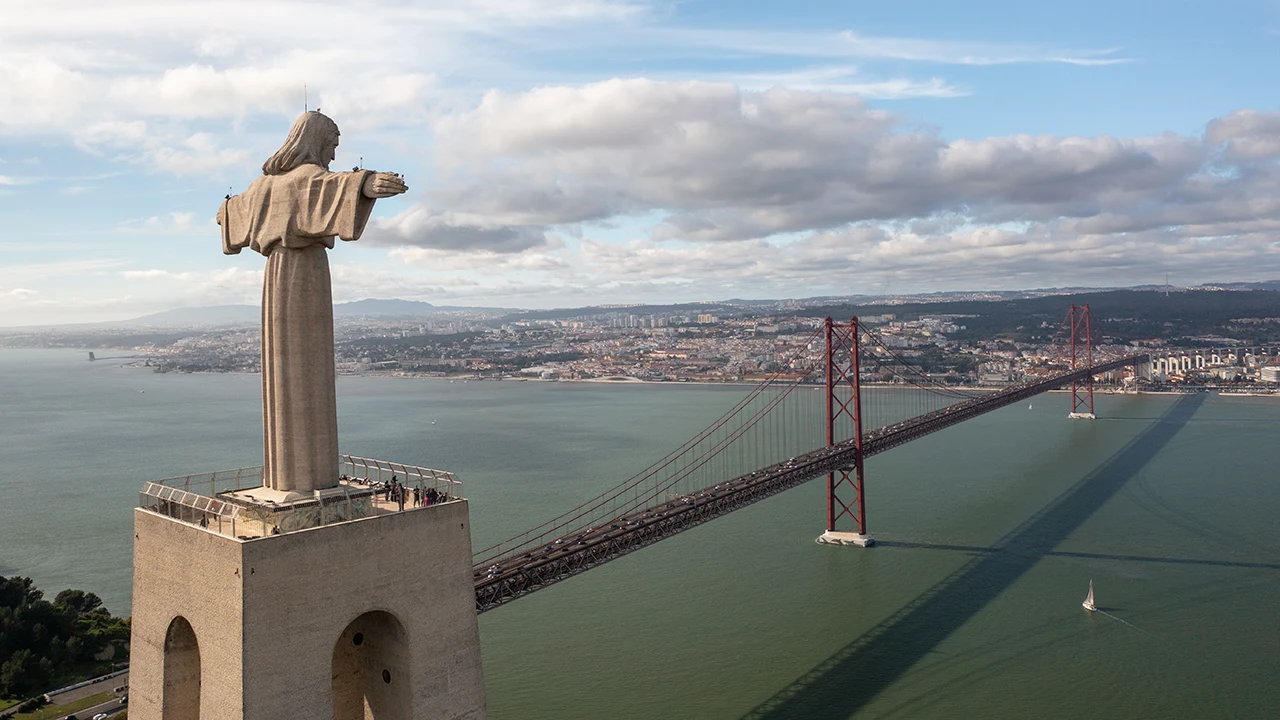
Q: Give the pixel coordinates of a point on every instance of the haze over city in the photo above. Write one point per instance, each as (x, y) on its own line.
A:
(564, 154)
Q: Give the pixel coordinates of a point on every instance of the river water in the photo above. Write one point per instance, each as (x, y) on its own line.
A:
(970, 606)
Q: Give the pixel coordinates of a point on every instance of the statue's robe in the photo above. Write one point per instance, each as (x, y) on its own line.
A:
(292, 219)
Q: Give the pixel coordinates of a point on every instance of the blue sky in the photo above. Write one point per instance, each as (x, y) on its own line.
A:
(575, 152)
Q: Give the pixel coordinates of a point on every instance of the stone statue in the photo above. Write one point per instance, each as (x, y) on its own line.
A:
(291, 215)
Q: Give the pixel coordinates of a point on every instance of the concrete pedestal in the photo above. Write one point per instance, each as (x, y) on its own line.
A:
(832, 537)
(1082, 416)
(370, 618)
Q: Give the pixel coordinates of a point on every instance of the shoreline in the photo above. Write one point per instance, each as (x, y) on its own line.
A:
(633, 381)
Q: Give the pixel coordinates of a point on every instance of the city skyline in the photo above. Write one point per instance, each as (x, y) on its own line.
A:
(572, 154)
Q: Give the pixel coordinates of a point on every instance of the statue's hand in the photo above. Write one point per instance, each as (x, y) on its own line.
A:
(383, 185)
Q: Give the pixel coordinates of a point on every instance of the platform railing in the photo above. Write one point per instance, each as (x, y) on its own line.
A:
(175, 498)
(202, 498)
(368, 471)
(210, 484)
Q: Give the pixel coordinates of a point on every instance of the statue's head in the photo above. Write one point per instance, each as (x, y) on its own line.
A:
(312, 141)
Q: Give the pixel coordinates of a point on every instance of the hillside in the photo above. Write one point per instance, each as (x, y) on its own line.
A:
(1122, 315)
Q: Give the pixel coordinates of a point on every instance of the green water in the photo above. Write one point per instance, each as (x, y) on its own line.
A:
(990, 533)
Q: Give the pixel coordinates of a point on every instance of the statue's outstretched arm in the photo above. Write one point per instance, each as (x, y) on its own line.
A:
(232, 242)
(383, 185)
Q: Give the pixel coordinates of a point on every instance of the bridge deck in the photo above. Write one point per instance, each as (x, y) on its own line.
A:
(519, 574)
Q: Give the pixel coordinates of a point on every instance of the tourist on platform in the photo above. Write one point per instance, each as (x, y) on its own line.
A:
(400, 497)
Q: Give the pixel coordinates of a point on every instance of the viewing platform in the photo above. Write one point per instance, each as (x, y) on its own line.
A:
(234, 503)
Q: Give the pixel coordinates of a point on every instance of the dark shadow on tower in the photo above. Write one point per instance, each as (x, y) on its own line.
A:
(371, 670)
(181, 699)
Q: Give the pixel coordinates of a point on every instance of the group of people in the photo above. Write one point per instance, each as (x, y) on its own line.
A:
(401, 494)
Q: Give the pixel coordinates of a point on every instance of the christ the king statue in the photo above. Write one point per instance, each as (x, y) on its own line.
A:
(291, 215)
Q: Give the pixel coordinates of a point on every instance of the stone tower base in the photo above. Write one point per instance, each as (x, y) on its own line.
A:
(371, 618)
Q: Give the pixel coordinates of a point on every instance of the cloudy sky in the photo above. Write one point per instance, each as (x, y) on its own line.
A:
(575, 152)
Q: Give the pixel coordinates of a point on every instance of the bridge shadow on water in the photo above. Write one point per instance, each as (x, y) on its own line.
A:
(979, 549)
(845, 682)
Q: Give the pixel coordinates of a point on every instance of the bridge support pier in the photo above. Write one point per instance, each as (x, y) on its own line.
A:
(832, 537)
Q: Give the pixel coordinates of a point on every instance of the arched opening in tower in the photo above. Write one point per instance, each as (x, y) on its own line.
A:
(371, 678)
(181, 698)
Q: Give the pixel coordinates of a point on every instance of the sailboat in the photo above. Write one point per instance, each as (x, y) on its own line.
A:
(1088, 601)
(1029, 406)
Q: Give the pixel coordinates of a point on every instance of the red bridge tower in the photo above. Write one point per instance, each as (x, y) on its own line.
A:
(844, 400)
(1081, 322)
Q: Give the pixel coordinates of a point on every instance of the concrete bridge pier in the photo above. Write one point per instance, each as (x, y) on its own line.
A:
(833, 537)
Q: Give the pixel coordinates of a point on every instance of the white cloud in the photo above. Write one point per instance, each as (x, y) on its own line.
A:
(851, 44)
(489, 261)
(868, 258)
(769, 176)
(146, 77)
(421, 227)
(759, 189)
(355, 282)
(1247, 135)
(198, 155)
(232, 285)
(732, 164)
(83, 60)
(228, 285)
(64, 268)
(963, 53)
(174, 223)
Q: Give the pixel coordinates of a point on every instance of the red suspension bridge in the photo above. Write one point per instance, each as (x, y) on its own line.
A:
(815, 416)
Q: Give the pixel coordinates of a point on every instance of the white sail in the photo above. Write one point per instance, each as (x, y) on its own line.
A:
(1088, 600)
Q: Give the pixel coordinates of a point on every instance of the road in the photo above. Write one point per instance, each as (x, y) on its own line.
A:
(109, 707)
(106, 684)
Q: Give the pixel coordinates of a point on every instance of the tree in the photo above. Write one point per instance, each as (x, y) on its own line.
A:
(42, 640)
(16, 674)
(18, 591)
(78, 600)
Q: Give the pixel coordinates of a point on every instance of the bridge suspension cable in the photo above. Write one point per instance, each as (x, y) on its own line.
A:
(670, 473)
